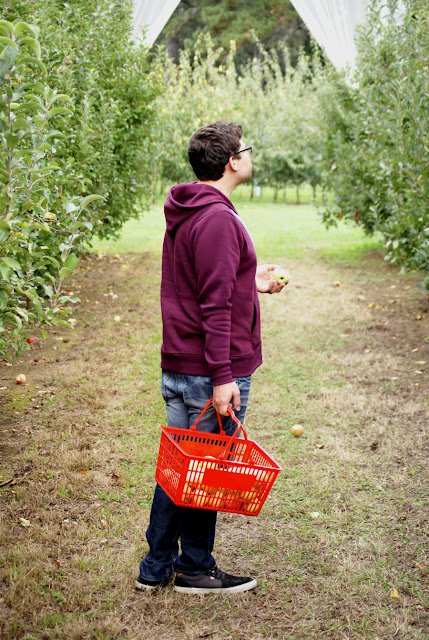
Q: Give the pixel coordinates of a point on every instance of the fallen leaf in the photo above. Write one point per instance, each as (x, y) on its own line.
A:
(314, 514)
(24, 523)
(394, 594)
(115, 476)
(320, 446)
(11, 481)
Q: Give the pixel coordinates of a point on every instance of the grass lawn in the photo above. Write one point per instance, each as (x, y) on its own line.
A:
(340, 549)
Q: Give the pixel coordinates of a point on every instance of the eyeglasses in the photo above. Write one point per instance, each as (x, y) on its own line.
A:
(249, 149)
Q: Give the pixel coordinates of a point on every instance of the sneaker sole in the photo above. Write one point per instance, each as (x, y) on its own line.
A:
(238, 589)
(146, 587)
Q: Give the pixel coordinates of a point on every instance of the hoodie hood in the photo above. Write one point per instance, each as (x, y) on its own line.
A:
(184, 200)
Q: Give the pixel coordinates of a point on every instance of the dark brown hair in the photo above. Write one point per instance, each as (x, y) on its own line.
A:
(211, 147)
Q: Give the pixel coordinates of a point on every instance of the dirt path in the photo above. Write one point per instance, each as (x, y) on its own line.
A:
(340, 548)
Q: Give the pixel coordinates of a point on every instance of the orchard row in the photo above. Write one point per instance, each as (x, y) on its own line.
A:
(90, 122)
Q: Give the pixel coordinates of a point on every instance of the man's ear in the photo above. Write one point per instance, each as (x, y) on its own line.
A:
(233, 163)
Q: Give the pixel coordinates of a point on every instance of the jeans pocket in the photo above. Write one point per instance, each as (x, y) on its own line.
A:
(166, 385)
(198, 391)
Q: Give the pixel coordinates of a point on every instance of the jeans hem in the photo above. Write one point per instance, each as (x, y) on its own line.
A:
(157, 579)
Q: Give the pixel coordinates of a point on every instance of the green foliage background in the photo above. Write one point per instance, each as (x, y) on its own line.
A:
(375, 135)
(76, 123)
(274, 23)
(89, 125)
(275, 102)
(364, 136)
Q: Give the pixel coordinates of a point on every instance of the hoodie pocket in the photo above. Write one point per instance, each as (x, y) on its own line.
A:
(254, 319)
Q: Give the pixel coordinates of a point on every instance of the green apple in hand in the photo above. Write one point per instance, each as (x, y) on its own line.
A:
(280, 275)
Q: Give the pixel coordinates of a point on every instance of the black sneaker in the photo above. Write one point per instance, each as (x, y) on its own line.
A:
(147, 585)
(214, 581)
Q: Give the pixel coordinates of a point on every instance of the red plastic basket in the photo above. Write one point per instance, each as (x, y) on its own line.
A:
(214, 471)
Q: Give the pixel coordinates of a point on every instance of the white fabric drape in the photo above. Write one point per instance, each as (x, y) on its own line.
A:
(333, 24)
(152, 14)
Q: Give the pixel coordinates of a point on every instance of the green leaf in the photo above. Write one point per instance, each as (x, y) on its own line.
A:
(20, 27)
(31, 294)
(48, 290)
(11, 262)
(71, 262)
(5, 224)
(59, 111)
(8, 25)
(11, 139)
(28, 106)
(14, 319)
(9, 55)
(45, 146)
(43, 334)
(22, 313)
(33, 44)
(64, 272)
(53, 261)
(85, 202)
(63, 96)
(34, 87)
(20, 123)
(28, 60)
(55, 134)
(3, 299)
(9, 42)
(70, 207)
(61, 321)
(4, 234)
(5, 271)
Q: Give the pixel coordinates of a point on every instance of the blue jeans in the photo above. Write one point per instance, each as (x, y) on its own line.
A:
(185, 397)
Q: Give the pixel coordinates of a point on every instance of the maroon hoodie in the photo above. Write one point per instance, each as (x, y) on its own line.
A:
(209, 300)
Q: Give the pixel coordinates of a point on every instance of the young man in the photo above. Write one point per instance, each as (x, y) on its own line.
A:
(211, 342)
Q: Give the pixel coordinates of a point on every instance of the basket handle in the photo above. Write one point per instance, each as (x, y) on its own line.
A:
(237, 421)
(221, 431)
(222, 455)
(194, 426)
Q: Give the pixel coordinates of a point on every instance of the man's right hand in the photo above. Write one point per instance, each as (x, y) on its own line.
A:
(222, 396)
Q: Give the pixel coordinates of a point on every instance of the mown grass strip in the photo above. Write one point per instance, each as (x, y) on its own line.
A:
(360, 466)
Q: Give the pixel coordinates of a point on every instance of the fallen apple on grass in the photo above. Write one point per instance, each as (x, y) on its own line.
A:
(297, 430)
(20, 379)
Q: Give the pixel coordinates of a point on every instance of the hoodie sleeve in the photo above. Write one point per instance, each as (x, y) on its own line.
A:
(217, 242)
